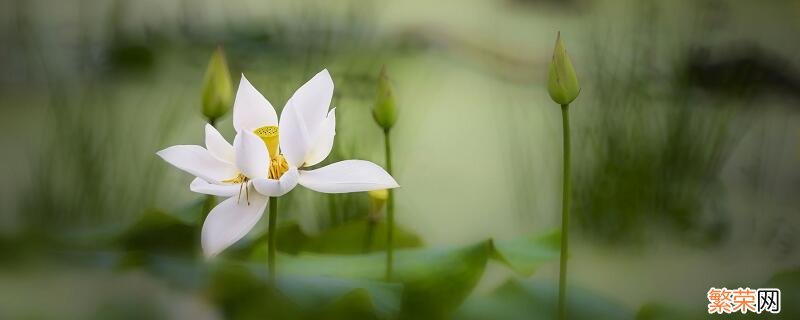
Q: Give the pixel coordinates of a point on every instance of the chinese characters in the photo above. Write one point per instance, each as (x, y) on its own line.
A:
(744, 300)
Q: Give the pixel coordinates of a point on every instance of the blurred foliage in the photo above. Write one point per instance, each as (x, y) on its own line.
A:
(434, 280)
(316, 278)
(90, 149)
(656, 146)
(788, 281)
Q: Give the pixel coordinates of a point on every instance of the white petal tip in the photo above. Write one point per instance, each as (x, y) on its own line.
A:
(209, 255)
(325, 75)
(390, 182)
(209, 252)
(244, 81)
(163, 154)
(389, 185)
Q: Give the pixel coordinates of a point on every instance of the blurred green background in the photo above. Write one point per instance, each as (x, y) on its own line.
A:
(686, 142)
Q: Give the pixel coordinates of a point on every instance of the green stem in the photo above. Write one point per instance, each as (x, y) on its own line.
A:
(273, 217)
(333, 215)
(389, 210)
(368, 238)
(562, 274)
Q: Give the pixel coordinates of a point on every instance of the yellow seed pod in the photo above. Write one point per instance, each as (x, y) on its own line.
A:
(269, 134)
(562, 82)
(217, 95)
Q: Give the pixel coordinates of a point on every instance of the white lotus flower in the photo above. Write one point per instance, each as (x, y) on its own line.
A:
(260, 161)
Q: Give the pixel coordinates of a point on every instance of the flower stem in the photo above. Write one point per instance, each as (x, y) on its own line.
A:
(333, 215)
(389, 210)
(562, 274)
(368, 238)
(273, 217)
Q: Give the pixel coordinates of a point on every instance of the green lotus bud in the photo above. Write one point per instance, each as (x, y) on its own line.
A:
(562, 83)
(384, 111)
(217, 87)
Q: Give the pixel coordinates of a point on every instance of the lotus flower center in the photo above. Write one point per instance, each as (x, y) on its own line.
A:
(277, 163)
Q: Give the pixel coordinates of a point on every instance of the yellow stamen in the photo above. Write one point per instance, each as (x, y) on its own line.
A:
(277, 164)
(239, 178)
(277, 167)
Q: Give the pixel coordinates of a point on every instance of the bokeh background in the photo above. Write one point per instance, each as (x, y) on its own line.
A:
(686, 142)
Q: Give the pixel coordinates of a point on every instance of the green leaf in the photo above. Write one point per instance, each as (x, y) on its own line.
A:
(243, 291)
(360, 236)
(183, 272)
(525, 254)
(290, 238)
(308, 297)
(537, 300)
(435, 281)
(191, 213)
(159, 231)
(353, 305)
(348, 238)
(342, 298)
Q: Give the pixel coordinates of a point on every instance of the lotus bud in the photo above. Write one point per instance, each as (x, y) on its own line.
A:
(562, 83)
(217, 87)
(384, 111)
